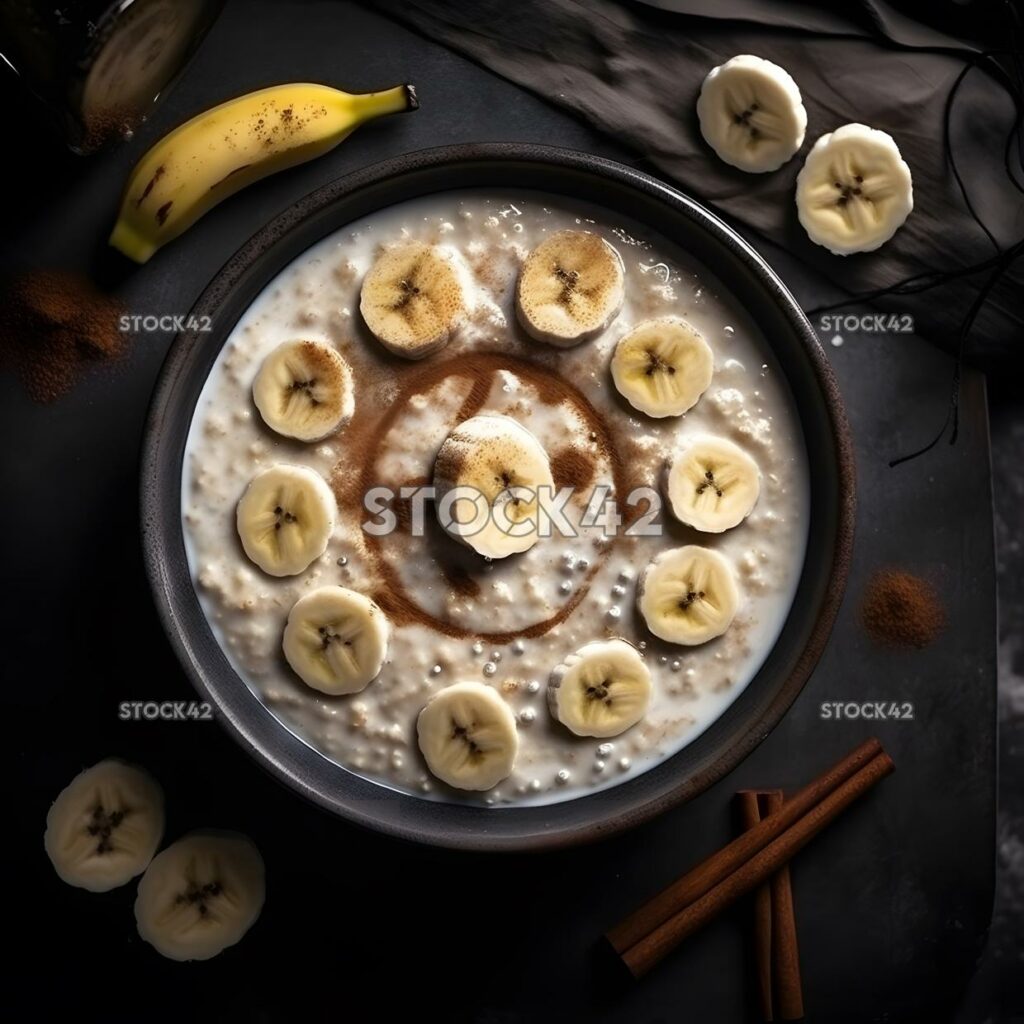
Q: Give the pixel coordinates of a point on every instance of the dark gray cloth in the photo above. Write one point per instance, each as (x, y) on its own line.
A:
(635, 72)
(867, 18)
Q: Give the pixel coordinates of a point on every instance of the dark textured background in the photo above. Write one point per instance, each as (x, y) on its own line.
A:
(629, 68)
(892, 902)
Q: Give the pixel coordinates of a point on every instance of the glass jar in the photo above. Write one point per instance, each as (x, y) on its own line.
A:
(99, 66)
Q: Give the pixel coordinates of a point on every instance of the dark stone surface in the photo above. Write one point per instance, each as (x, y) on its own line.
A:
(1005, 960)
(893, 901)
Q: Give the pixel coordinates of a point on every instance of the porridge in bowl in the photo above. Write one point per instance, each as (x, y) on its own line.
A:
(490, 500)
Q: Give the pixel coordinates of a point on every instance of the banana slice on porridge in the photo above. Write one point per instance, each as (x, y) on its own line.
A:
(336, 640)
(662, 367)
(601, 690)
(712, 484)
(488, 476)
(105, 826)
(570, 289)
(304, 390)
(201, 895)
(285, 519)
(412, 299)
(688, 595)
(468, 736)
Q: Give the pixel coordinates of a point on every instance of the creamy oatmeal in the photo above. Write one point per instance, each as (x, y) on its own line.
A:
(454, 616)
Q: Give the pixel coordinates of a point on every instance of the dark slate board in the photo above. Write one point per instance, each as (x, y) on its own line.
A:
(893, 902)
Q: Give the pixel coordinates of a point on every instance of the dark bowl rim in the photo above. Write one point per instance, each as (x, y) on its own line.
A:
(154, 511)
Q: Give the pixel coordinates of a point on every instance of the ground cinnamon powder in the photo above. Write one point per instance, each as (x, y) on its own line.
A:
(901, 610)
(54, 324)
(371, 424)
(572, 468)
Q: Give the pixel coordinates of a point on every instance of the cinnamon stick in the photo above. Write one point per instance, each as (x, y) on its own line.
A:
(736, 875)
(776, 953)
(715, 868)
(787, 991)
(750, 814)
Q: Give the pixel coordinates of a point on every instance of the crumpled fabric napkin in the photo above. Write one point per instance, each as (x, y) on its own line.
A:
(635, 72)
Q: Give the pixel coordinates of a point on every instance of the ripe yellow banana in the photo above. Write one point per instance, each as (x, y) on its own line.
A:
(224, 149)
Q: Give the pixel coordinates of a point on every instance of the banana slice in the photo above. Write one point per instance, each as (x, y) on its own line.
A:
(468, 736)
(201, 895)
(285, 519)
(854, 190)
(662, 367)
(336, 640)
(304, 390)
(601, 690)
(688, 595)
(570, 289)
(751, 114)
(496, 468)
(412, 299)
(712, 484)
(105, 826)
